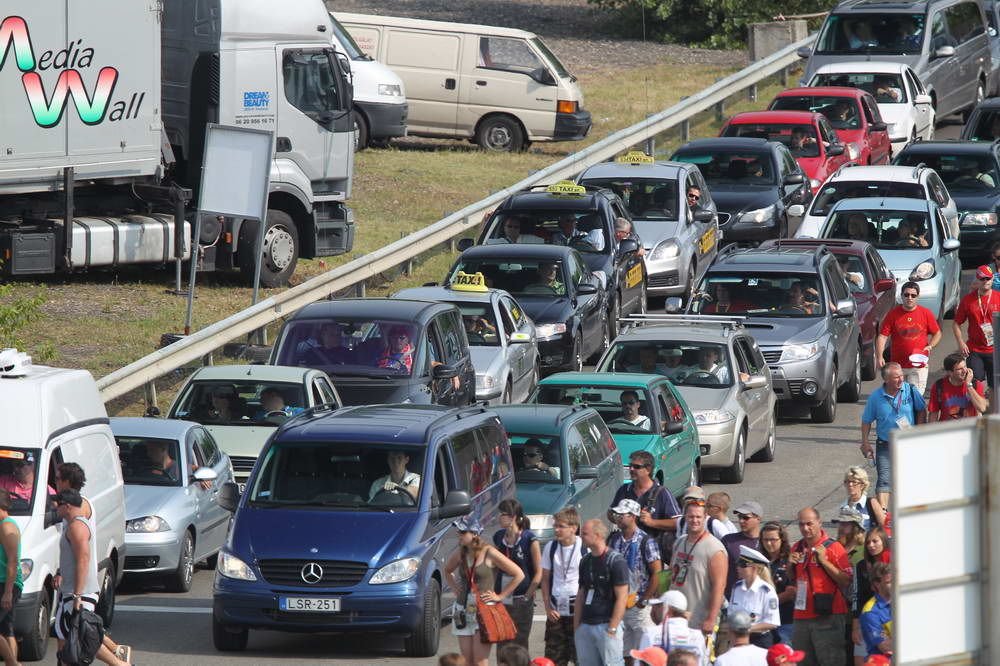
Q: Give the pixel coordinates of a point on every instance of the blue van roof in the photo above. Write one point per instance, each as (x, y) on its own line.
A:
(387, 424)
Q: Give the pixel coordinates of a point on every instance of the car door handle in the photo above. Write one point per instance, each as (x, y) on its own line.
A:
(449, 84)
(480, 83)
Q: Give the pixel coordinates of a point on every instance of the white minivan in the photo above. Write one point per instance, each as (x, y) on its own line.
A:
(379, 95)
(500, 87)
(52, 416)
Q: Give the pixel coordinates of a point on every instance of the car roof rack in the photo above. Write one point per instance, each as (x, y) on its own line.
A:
(727, 321)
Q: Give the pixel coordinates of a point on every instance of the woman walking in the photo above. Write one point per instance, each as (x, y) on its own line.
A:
(775, 546)
(518, 544)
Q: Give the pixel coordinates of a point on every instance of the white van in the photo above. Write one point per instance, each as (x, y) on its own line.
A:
(500, 87)
(51, 416)
(379, 95)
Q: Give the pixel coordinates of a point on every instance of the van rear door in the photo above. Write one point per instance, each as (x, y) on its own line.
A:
(428, 63)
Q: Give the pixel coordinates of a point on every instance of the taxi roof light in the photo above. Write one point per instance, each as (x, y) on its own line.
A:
(14, 363)
(566, 188)
(469, 282)
(635, 157)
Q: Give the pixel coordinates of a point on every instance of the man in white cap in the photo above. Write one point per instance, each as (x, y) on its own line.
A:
(756, 595)
(671, 631)
(642, 554)
(742, 653)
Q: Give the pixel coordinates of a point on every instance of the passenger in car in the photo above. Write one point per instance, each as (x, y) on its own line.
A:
(398, 354)
(329, 351)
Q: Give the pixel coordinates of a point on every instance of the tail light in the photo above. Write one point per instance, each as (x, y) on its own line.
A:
(566, 106)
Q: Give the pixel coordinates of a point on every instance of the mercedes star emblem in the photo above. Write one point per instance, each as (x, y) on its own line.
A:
(311, 573)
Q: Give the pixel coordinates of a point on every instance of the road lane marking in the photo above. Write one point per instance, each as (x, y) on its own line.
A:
(204, 610)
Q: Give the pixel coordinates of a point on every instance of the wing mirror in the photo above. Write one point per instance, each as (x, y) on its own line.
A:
(673, 305)
(877, 127)
(835, 149)
(944, 52)
(845, 308)
(803, 52)
(755, 382)
(884, 284)
(444, 371)
(951, 244)
(585, 289)
(585, 472)
(794, 179)
(465, 243)
(674, 427)
(456, 503)
(205, 474)
(922, 98)
(703, 215)
(796, 210)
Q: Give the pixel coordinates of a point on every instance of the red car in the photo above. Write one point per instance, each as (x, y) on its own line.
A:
(851, 111)
(871, 283)
(809, 137)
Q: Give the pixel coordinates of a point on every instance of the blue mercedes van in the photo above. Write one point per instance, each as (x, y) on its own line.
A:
(345, 522)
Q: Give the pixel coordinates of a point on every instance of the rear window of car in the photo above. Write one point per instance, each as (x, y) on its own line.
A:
(727, 167)
(842, 112)
(838, 190)
(959, 172)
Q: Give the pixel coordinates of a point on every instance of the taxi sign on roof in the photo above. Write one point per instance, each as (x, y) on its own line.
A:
(469, 282)
(634, 157)
(566, 188)
(11, 455)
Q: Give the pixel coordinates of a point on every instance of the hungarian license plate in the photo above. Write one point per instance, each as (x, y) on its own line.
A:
(309, 604)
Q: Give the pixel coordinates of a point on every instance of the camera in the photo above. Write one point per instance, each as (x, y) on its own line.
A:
(458, 618)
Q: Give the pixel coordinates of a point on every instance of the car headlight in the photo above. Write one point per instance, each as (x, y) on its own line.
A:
(796, 352)
(549, 330)
(923, 271)
(485, 382)
(979, 219)
(231, 566)
(396, 572)
(852, 151)
(712, 416)
(390, 90)
(759, 216)
(541, 521)
(27, 566)
(146, 524)
(665, 250)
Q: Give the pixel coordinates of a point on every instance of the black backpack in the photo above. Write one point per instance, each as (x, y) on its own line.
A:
(86, 634)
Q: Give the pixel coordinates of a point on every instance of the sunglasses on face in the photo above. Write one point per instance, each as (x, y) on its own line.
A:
(531, 454)
(637, 466)
(694, 197)
(910, 295)
(745, 563)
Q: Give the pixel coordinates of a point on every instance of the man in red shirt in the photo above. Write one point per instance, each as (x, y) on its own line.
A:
(958, 394)
(906, 327)
(977, 307)
(821, 569)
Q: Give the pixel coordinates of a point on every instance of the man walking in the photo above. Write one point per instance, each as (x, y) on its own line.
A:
(658, 508)
(906, 327)
(893, 405)
(749, 515)
(821, 570)
(978, 307)
(642, 555)
(600, 601)
(699, 570)
(958, 394)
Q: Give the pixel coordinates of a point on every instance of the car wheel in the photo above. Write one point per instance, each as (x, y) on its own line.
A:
(180, 579)
(605, 343)
(694, 478)
(36, 644)
(227, 639)
(980, 96)
(734, 473)
(826, 411)
(766, 454)
(360, 132)
(616, 319)
(500, 134)
(851, 391)
(642, 299)
(106, 598)
(424, 641)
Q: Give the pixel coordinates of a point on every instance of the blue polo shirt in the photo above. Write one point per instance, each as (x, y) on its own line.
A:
(883, 409)
(876, 623)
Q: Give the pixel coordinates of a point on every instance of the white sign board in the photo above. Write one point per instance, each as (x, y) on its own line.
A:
(236, 172)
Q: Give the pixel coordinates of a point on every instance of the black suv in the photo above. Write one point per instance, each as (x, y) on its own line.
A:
(971, 172)
(799, 308)
(582, 218)
(756, 184)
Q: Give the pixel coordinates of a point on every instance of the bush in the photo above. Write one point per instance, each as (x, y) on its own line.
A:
(708, 23)
(15, 314)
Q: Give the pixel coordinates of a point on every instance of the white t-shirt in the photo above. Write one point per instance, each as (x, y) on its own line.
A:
(675, 634)
(410, 480)
(721, 528)
(563, 565)
(743, 655)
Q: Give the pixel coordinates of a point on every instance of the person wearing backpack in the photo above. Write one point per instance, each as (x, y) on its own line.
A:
(958, 394)
(642, 555)
(600, 600)
(560, 581)
(659, 512)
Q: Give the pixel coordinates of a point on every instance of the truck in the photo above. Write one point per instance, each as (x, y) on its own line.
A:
(103, 129)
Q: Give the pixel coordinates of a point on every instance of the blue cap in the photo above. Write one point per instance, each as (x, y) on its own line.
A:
(468, 524)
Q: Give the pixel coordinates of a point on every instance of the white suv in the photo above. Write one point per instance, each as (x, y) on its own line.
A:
(852, 182)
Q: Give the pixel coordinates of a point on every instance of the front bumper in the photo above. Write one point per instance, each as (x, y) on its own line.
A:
(556, 354)
(800, 381)
(976, 240)
(385, 120)
(716, 443)
(663, 277)
(572, 126)
(155, 553)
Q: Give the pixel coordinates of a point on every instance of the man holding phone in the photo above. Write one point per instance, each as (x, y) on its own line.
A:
(958, 394)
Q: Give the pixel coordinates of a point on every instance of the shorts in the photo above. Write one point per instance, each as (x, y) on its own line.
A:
(471, 625)
(65, 611)
(7, 617)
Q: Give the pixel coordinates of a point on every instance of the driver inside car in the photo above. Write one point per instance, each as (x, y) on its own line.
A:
(547, 278)
(399, 479)
(630, 411)
(532, 458)
(708, 362)
(272, 403)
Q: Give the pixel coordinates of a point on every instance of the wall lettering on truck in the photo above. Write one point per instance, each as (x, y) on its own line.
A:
(48, 110)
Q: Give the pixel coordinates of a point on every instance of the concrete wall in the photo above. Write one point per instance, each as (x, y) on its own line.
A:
(766, 38)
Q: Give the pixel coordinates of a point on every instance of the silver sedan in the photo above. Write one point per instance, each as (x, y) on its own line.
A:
(173, 472)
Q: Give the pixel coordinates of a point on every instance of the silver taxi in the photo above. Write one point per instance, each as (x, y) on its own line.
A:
(720, 372)
(680, 240)
(502, 337)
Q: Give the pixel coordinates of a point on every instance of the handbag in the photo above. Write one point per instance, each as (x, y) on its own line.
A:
(86, 633)
(495, 623)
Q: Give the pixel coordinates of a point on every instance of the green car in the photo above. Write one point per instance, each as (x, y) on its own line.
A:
(660, 423)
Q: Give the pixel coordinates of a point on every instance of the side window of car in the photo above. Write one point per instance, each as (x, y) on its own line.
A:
(435, 352)
(937, 188)
(788, 162)
(576, 272)
(836, 283)
(746, 359)
(591, 441)
(468, 462)
(965, 22)
(506, 320)
(499, 447)
(943, 230)
(871, 110)
(448, 327)
(209, 448)
(608, 446)
(915, 84)
(826, 132)
(576, 449)
(670, 406)
(939, 31)
(441, 484)
(326, 390)
(513, 311)
(706, 194)
(758, 357)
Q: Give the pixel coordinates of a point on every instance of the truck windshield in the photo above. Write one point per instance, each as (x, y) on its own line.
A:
(149, 461)
(350, 475)
(688, 362)
(350, 347)
(242, 403)
(646, 198)
(18, 473)
(351, 48)
(886, 34)
(311, 83)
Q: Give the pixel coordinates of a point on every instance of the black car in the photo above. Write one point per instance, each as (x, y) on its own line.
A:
(582, 218)
(381, 350)
(756, 184)
(983, 123)
(557, 289)
(971, 172)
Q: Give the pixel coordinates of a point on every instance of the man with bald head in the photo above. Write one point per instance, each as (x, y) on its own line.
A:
(821, 569)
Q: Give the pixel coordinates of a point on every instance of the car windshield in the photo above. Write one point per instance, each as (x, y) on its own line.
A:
(609, 401)
(969, 173)
(351, 48)
(725, 167)
(884, 229)
(537, 458)
(240, 402)
(987, 126)
(842, 112)
(150, 461)
(645, 198)
(856, 189)
(520, 277)
(686, 363)
(582, 231)
(801, 140)
(760, 295)
(350, 475)
(886, 34)
(886, 88)
(18, 473)
(480, 324)
(350, 347)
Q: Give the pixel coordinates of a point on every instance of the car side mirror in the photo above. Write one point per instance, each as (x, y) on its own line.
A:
(627, 246)
(877, 127)
(456, 503)
(152, 411)
(804, 52)
(944, 52)
(465, 243)
(922, 98)
(674, 427)
(835, 149)
(229, 496)
(585, 472)
(205, 474)
(845, 308)
(884, 284)
(519, 338)
(703, 215)
(585, 289)
(951, 244)
(755, 382)
(673, 305)
(794, 179)
(796, 210)
(543, 76)
(444, 371)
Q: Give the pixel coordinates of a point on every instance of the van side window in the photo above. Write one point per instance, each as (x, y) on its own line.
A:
(472, 461)
(965, 22)
(449, 327)
(939, 32)
(576, 449)
(56, 459)
(441, 485)
(310, 82)
(591, 441)
(506, 54)
(497, 448)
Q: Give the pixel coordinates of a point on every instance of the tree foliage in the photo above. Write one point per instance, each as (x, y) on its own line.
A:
(708, 23)
(16, 312)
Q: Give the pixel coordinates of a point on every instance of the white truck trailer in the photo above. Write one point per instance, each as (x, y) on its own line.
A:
(103, 109)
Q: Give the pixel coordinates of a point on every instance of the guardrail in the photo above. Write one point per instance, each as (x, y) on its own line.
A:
(199, 344)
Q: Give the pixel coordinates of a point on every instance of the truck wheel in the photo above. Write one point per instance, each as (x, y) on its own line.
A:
(281, 249)
(500, 134)
(106, 600)
(423, 642)
(361, 131)
(35, 644)
(228, 639)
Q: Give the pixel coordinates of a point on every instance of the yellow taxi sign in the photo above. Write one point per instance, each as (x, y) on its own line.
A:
(11, 455)
(566, 188)
(635, 157)
(469, 282)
